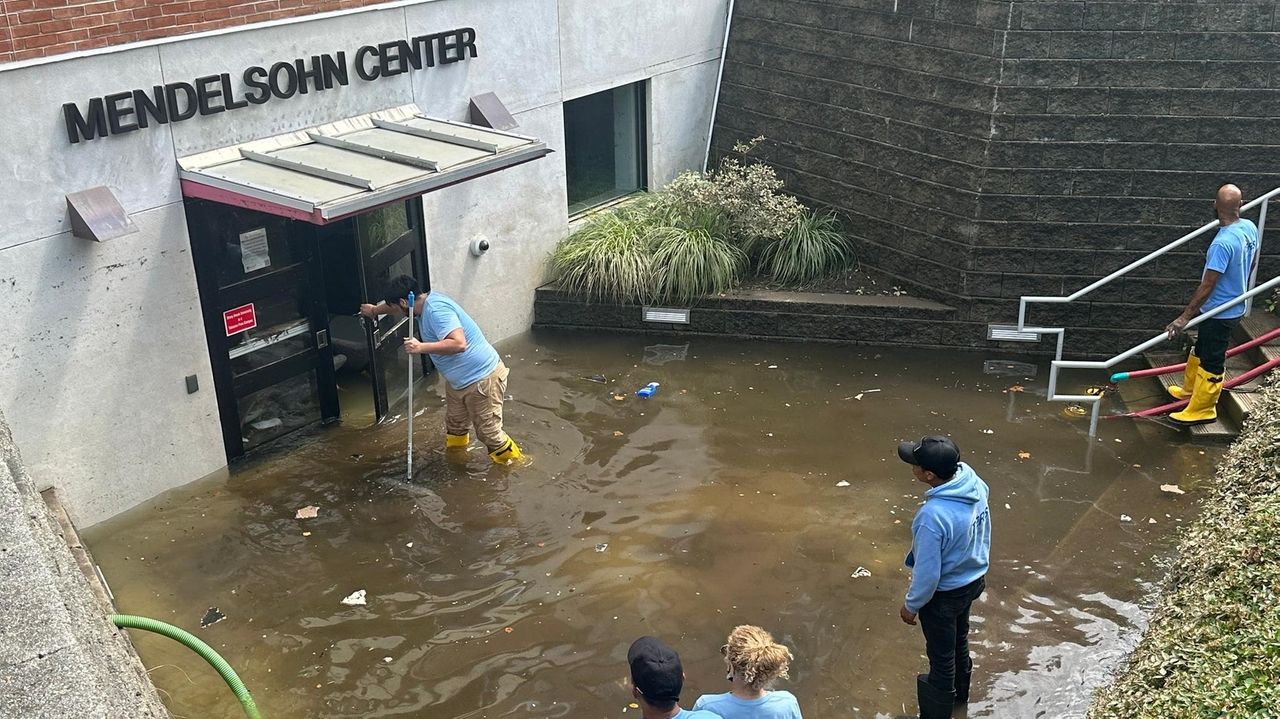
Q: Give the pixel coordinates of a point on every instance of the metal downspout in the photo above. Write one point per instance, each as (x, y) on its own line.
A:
(715, 99)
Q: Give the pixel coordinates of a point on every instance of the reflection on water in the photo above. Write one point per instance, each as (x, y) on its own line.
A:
(496, 592)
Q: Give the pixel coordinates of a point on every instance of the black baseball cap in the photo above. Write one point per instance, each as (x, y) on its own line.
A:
(655, 669)
(935, 453)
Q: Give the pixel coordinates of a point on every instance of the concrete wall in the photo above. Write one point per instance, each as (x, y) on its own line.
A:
(675, 45)
(982, 150)
(59, 656)
(101, 336)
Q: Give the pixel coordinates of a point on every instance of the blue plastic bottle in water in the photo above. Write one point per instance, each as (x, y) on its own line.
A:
(647, 390)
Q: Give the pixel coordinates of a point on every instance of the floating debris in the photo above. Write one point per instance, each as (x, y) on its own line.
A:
(860, 572)
(1172, 489)
(1024, 455)
(842, 483)
(601, 547)
(1126, 518)
(308, 512)
(354, 599)
(211, 617)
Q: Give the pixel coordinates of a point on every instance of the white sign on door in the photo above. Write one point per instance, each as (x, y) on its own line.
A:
(254, 253)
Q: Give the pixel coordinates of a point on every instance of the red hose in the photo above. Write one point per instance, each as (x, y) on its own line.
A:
(1154, 371)
(1233, 382)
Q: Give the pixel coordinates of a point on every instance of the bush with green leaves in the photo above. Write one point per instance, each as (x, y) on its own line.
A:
(812, 247)
(700, 235)
(609, 258)
(1212, 647)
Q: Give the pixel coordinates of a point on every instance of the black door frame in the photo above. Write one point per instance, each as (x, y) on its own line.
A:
(306, 274)
(414, 240)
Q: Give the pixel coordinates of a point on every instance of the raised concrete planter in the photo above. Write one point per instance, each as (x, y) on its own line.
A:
(806, 316)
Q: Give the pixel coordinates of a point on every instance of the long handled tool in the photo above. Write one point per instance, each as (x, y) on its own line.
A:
(409, 454)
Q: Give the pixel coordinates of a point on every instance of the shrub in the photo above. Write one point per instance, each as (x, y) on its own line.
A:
(811, 248)
(608, 259)
(699, 235)
(748, 193)
(692, 258)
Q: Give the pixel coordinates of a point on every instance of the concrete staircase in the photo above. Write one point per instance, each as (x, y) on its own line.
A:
(1235, 404)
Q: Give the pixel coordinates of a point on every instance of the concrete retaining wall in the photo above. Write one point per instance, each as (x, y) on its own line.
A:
(786, 316)
(983, 150)
(59, 655)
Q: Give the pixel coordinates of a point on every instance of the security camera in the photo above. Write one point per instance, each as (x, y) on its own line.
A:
(479, 246)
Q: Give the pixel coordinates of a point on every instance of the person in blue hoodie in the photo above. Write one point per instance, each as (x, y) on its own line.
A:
(950, 552)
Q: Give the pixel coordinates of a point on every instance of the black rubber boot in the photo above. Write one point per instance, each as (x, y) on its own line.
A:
(934, 703)
(963, 679)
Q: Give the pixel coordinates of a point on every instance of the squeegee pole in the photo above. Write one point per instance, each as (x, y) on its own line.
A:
(409, 453)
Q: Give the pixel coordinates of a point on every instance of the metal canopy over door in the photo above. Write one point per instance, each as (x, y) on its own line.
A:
(335, 171)
(267, 332)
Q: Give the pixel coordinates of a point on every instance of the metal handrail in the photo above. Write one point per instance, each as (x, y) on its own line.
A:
(1058, 363)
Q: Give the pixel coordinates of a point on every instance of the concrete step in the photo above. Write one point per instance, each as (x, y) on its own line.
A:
(1257, 324)
(1229, 414)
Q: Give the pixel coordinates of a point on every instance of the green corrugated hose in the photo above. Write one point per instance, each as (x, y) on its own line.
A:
(128, 621)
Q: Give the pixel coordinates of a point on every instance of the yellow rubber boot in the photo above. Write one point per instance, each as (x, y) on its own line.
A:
(1188, 386)
(456, 441)
(1203, 407)
(507, 453)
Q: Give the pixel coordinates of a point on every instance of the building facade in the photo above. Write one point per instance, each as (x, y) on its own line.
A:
(215, 309)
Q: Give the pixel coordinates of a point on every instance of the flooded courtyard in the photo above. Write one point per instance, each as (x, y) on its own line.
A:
(759, 485)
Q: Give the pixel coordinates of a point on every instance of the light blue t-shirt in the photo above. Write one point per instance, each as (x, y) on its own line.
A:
(694, 714)
(1231, 253)
(773, 705)
(440, 316)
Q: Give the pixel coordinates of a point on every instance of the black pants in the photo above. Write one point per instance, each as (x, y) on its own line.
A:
(945, 623)
(1212, 342)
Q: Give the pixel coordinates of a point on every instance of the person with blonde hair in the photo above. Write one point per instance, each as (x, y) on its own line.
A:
(753, 662)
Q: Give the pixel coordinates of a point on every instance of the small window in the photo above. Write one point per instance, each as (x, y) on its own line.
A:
(604, 146)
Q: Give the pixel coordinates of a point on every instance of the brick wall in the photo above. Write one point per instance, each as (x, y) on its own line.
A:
(983, 150)
(41, 28)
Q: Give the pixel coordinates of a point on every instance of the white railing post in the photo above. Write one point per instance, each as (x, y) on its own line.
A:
(1257, 255)
(1058, 363)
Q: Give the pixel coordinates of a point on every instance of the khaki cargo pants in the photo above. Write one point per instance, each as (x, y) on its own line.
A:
(479, 404)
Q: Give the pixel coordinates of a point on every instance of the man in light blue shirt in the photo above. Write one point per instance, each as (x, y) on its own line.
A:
(1227, 269)
(950, 553)
(475, 377)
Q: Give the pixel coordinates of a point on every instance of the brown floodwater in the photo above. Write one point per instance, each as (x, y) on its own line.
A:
(515, 591)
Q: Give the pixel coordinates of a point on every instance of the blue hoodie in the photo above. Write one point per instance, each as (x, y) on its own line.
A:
(951, 537)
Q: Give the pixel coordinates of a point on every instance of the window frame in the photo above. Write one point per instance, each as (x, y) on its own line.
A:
(640, 89)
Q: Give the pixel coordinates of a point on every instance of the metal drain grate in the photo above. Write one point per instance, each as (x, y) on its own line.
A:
(666, 315)
(1011, 333)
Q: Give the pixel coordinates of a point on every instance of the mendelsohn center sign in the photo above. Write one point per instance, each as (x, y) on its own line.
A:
(131, 110)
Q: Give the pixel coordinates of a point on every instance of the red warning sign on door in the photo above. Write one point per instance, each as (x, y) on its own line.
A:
(239, 319)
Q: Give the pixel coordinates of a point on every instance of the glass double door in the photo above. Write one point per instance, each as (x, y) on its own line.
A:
(281, 307)
(381, 245)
